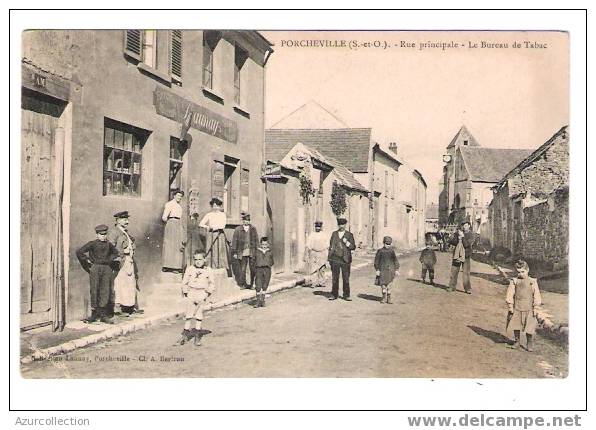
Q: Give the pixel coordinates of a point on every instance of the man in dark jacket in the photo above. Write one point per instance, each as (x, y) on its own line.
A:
(244, 246)
(467, 239)
(341, 246)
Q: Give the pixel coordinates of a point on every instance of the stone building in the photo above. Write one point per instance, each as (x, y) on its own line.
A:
(469, 173)
(102, 114)
(291, 213)
(529, 213)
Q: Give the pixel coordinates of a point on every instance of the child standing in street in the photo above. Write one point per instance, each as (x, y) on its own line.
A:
(263, 263)
(96, 258)
(387, 268)
(428, 259)
(523, 299)
(197, 285)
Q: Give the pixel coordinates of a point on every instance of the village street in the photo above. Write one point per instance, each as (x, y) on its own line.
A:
(427, 332)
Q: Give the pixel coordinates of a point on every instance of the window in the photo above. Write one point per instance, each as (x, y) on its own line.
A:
(244, 188)
(465, 143)
(123, 145)
(210, 40)
(231, 199)
(150, 48)
(386, 184)
(385, 214)
(177, 150)
(240, 56)
(176, 55)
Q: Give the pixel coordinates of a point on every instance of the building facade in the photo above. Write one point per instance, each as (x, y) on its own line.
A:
(292, 209)
(529, 213)
(469, 173)
(128, 116)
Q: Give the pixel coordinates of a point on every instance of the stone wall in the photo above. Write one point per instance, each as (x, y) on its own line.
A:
(545, 231)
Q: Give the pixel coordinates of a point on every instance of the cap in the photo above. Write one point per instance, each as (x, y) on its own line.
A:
(215, 201)
(245, 217)
(318, 223)
(178, 191)
(123, 214)
(101, 228)
(387, 240)
(464, 223)
(264, 239)
(342, 221)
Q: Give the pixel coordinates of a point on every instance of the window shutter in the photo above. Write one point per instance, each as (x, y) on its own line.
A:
(133, 43)
(244, 188)
(217, 178)
(176, 55)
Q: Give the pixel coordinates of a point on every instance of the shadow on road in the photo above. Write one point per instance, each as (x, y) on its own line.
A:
(489, 334)
(325, 294)
(498, 279)
(369, 297)
(439, 286)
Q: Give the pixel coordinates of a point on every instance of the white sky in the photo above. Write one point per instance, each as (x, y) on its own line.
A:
(512, 98)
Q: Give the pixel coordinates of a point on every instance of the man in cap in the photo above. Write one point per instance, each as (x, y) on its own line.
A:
(244, 246)
(317, 245)
(341, 246)
(124, 243)
(96, 258)
(467, 239)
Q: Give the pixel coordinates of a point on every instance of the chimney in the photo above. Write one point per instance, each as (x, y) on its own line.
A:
(393, 147)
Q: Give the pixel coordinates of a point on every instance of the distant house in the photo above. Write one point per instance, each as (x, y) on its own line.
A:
(469, 174)
(376, 167)
(291, 216)
(432, 217)
(529, 214)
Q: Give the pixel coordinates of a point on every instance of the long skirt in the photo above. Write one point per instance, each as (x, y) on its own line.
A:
(174, 239)
(125, 284)
(217, 250)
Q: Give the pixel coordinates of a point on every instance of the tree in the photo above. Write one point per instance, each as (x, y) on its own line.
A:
(338, 199)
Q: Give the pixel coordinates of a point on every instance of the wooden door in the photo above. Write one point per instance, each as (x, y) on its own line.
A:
(276, 213)
(39, 210)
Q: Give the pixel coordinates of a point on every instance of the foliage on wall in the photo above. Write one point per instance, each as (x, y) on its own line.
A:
(338, 199)
(306, 188)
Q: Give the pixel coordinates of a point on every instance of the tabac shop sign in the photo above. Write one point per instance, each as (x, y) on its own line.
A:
(184, 111)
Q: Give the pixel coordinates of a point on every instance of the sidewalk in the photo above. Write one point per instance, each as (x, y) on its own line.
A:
(162, 302)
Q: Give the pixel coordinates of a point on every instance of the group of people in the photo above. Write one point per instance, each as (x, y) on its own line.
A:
(113, 273)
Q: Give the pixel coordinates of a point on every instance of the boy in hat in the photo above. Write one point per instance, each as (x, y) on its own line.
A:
(428, 259)
(197, 286)
(263, 264)
(387, 268)
(523, 299)
(96, 258)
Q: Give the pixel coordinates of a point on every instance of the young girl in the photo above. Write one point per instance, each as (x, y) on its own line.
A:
(263, 263)
(523, 299)
(386, 266)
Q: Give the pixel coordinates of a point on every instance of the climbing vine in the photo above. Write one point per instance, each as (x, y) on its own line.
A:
(338, 199)
(306, 188)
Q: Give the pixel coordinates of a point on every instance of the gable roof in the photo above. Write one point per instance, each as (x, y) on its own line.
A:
(491, 164)
(462, 135)
(562, 134)
(344, 176)
(310, 115)
(349, 146)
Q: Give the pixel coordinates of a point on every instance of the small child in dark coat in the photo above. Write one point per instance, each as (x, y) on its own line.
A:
(263, 263)
(387, 268)
(428, 259)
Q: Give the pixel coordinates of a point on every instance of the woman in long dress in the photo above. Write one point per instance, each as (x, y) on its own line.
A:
(215, 222)
(174, 238)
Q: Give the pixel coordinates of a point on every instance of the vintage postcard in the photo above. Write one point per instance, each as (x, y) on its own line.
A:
(243, 203)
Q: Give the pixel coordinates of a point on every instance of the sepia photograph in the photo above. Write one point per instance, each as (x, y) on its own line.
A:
(229, 203)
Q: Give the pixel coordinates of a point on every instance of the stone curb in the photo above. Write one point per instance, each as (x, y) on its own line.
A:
(145, 322)
(557, 332)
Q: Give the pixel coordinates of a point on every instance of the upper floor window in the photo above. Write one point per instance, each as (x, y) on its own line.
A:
(210, 40)
(150, 48)
(240, 56)
(142, 45)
